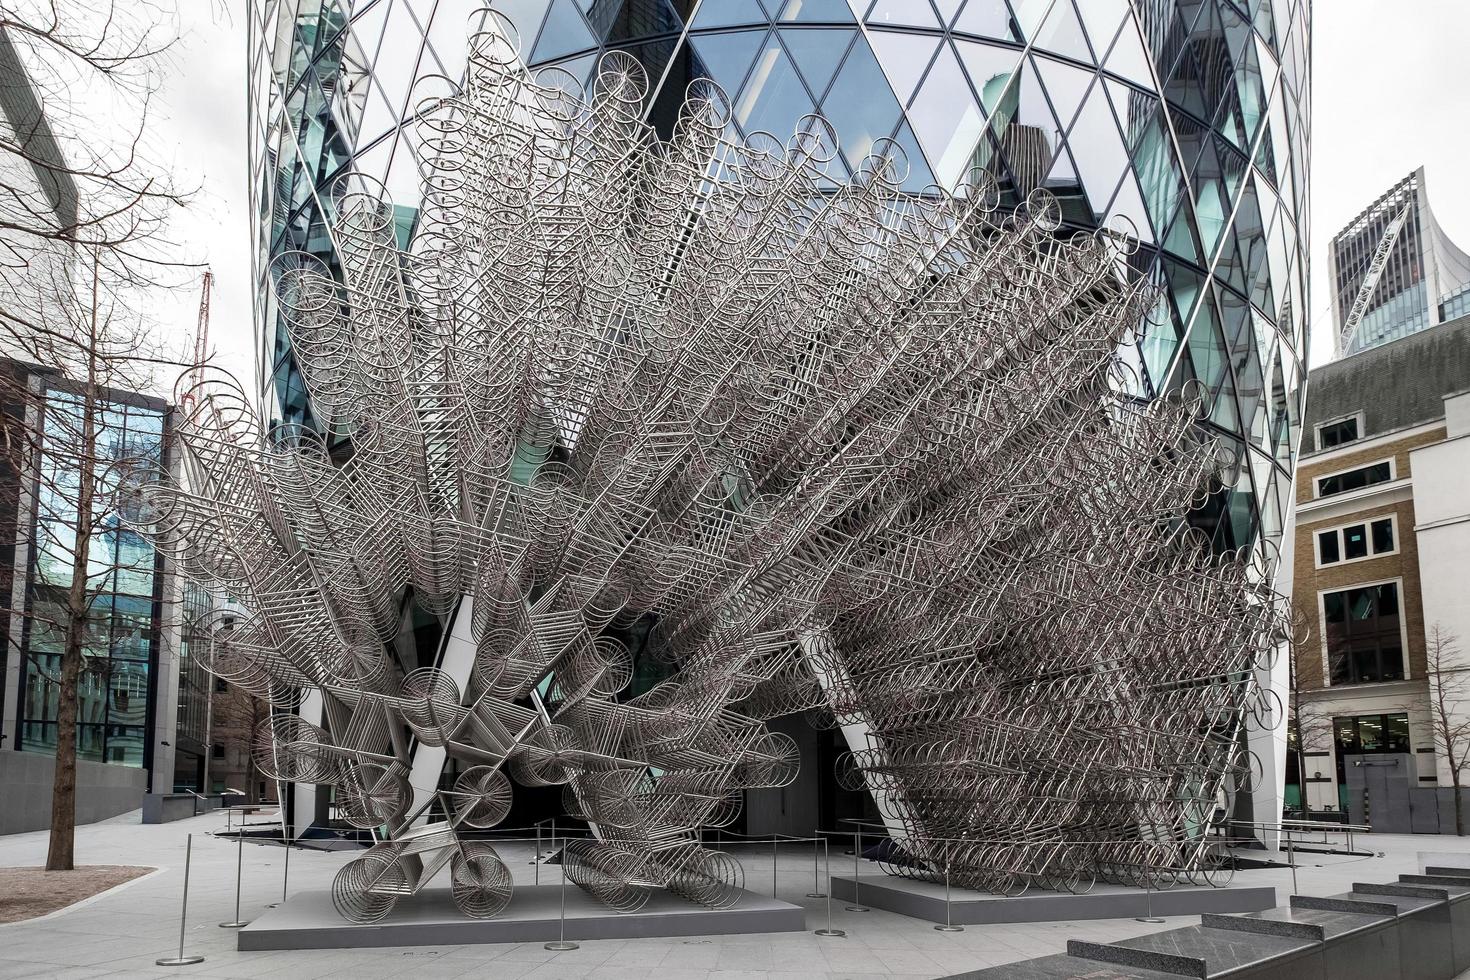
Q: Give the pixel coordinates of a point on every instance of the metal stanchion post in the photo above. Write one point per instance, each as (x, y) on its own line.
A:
(1291, 860)
(1148, 885)
(285, 872)
(537, 862)
(829, 931)
(816, 891)
(949, 925)
(181, 959)
(773, 865)
(562, 943)
(857, 855)
(238, 923)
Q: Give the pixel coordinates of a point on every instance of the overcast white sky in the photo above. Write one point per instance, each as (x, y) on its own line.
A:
(1391, 81)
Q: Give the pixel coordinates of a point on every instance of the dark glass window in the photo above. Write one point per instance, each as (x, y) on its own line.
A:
(1337, 433)
(1362, 634)
(1382, 536)
(1356, 479)
(1371, 733)
(1327, 549)
(217, 751)
(1355, 541)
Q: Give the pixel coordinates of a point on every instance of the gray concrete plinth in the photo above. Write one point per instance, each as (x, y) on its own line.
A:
(925, 900)
(308, 921)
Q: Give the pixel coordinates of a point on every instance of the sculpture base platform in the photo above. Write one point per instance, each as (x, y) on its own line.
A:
(925, 900)
(308, 921)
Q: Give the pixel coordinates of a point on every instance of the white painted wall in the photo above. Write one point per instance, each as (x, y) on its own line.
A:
(1442, 515)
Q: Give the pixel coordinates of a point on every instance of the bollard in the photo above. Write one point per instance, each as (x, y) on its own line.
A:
(181, 959)
(238, 923)
(857, 855)
(773, 865)
(562, 943)
(829, 931)
(1148, 885)
(285, 872)
(816, 891)
(949, 925)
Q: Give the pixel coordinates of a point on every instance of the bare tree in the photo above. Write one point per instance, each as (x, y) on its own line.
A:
(77, 86)
(70, 448)
(1449, 711)
(83, 211)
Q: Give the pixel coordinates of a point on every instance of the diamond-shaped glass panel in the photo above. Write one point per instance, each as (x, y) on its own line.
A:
(565, 33)
(1128, 58)
(643, 18)
(727, 57)
(1061, 33)
(1028, 15)
(728, 13)
(816, 53)
(987, 18)
(1098, 149)
(859, 105)
(919, 175)
(817, 11)
(904, 56)
(1101, 18)
(774, 97)
(895, 13)
(946, 119)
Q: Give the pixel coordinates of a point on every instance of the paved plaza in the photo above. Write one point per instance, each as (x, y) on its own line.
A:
(121, 934)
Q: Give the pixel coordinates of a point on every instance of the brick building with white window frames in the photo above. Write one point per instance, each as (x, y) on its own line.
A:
(1381, 555)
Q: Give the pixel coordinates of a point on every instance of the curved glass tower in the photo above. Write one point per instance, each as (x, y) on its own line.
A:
(1182, 122)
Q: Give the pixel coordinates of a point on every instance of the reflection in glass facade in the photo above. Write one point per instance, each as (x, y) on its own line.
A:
(117, 690)
(1183, 122)
(1425, 281)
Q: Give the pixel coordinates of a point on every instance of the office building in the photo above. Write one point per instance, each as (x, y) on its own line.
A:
(1184, 123)
(1382, 553)
(1394, 271)
(125, 716)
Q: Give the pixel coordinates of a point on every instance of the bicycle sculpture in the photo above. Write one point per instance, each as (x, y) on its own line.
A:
(847, 451)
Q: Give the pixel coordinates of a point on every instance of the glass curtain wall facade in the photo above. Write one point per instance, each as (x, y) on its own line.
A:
(1425, 279)
(1183, 123)
(117, 693)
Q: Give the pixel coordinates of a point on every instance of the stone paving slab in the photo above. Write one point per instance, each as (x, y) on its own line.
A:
(120, 935)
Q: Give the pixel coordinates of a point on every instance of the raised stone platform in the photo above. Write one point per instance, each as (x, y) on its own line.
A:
(925, 900)
(308, 921)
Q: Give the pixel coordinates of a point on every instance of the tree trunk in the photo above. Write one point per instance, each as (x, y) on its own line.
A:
(61, 850)
(60, 854)
(1459, 807)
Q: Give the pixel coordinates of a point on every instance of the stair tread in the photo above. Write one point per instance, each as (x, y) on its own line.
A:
(1222, 950)
(1061, 966)
(1333, 923)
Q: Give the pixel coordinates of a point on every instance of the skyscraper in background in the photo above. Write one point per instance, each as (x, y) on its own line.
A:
(1182, 122)
(1421, 280)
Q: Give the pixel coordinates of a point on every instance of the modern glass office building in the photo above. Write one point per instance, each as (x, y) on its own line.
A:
(1421, 280)
(1181, 122)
